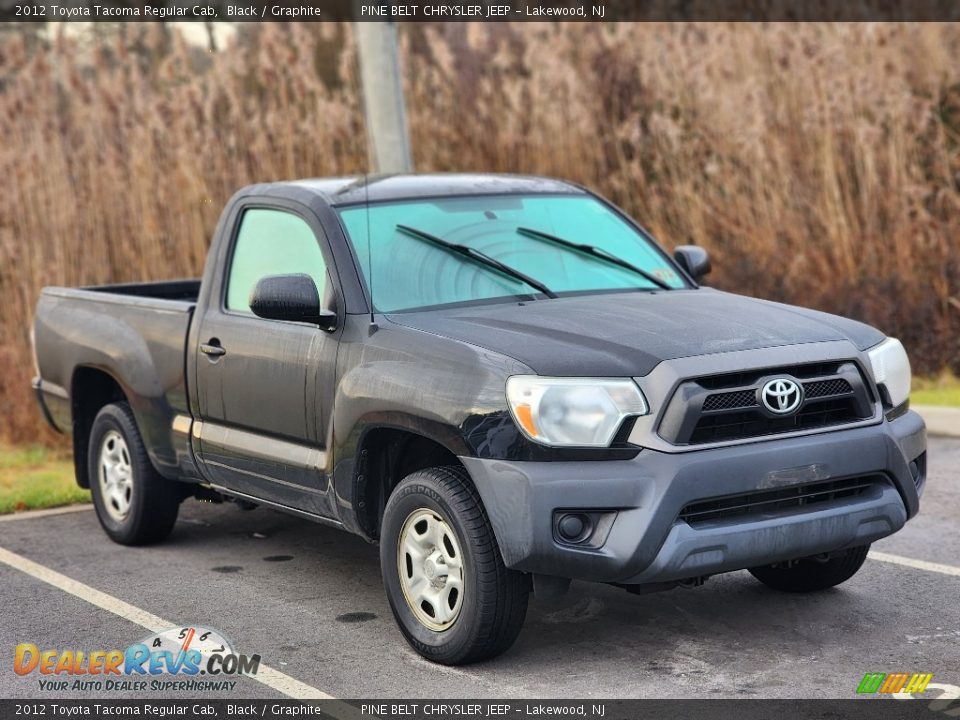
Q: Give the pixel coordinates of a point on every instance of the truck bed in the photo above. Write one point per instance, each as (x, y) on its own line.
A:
(186, 290)
(129, 336)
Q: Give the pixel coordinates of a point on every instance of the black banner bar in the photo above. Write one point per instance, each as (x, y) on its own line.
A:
(477, 10)
(854, 709)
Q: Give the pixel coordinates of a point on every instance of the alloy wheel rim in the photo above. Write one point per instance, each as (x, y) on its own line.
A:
(431, 569)
(115, 475)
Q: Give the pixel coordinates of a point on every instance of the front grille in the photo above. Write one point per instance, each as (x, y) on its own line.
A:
(727, 407)
(748, 398)
(825, 388)
(806, 371)
(730, 401)
(753, 423)
(782, 500)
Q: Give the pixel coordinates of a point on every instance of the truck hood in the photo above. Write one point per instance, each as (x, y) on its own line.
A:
(629, 334)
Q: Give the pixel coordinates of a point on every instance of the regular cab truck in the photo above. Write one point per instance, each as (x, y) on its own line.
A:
(503, 381)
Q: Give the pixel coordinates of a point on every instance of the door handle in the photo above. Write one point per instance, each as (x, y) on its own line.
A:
(212, 349)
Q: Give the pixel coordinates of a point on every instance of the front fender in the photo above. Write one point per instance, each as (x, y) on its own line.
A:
(405, 379)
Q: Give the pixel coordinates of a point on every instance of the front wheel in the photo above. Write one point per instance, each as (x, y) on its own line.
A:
(811, 575)
(452, 596)
(134, 503)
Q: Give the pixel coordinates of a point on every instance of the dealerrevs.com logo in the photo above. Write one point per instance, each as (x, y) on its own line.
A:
(173, 659)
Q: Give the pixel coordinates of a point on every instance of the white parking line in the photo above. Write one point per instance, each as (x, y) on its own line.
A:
(917, 564)
(267, 675)
(31, 514)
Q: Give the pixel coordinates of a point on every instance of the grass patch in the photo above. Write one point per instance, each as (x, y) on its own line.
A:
(36, 477)
(941, 390)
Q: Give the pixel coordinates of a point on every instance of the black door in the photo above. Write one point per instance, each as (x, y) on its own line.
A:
(260, 383)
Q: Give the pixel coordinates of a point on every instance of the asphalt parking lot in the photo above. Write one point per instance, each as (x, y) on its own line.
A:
(308, 599)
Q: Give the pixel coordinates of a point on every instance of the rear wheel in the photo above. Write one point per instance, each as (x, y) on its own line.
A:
(452, 596)
(134, 503)
(810, 575)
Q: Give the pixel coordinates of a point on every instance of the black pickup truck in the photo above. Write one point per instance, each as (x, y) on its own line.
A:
(504, 381)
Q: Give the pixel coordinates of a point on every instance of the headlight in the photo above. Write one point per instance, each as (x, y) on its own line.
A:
(891, 370)
(572, 412)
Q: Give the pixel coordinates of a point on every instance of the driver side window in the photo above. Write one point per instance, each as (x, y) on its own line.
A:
(272, 242)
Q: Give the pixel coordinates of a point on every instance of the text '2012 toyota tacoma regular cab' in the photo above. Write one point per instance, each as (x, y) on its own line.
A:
(503, 381)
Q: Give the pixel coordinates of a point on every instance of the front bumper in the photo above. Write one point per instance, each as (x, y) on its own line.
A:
(648, 543)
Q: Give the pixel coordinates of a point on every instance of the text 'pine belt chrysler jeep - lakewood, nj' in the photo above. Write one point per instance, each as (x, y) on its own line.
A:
(503, 381)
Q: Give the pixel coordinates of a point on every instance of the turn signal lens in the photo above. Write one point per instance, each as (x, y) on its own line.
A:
(525, 418)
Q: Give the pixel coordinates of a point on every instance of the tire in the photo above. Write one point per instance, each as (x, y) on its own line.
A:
(134, 503)
(478, 607)
(812, 575)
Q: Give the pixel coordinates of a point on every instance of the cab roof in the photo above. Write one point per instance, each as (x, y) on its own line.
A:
(377, 188)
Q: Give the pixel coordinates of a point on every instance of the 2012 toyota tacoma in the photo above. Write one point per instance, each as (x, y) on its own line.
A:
(504, 381)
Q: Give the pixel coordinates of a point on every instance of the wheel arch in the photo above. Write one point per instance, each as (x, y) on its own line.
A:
(91, 389)
(385, 455)
(93, 386)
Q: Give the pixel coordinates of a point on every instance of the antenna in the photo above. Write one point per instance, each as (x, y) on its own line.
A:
(366, 193)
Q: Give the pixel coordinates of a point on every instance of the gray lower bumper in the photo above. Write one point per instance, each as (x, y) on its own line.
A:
(647, 543)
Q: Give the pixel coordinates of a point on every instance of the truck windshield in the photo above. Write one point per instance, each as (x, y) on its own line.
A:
(408, 274)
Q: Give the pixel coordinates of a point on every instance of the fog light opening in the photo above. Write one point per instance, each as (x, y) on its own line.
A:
(574, 527)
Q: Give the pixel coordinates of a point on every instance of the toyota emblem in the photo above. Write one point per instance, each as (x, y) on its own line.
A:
(781, 396)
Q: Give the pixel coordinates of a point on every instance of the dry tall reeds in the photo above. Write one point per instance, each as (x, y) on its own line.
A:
(820, 164)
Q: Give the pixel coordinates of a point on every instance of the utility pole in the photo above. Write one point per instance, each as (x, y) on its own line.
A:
(388, 138)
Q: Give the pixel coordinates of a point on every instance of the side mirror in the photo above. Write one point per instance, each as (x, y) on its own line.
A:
(694, 259)
(290, 297)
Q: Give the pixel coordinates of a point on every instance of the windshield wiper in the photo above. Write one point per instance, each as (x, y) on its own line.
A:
(597, 253)
(478, 257)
